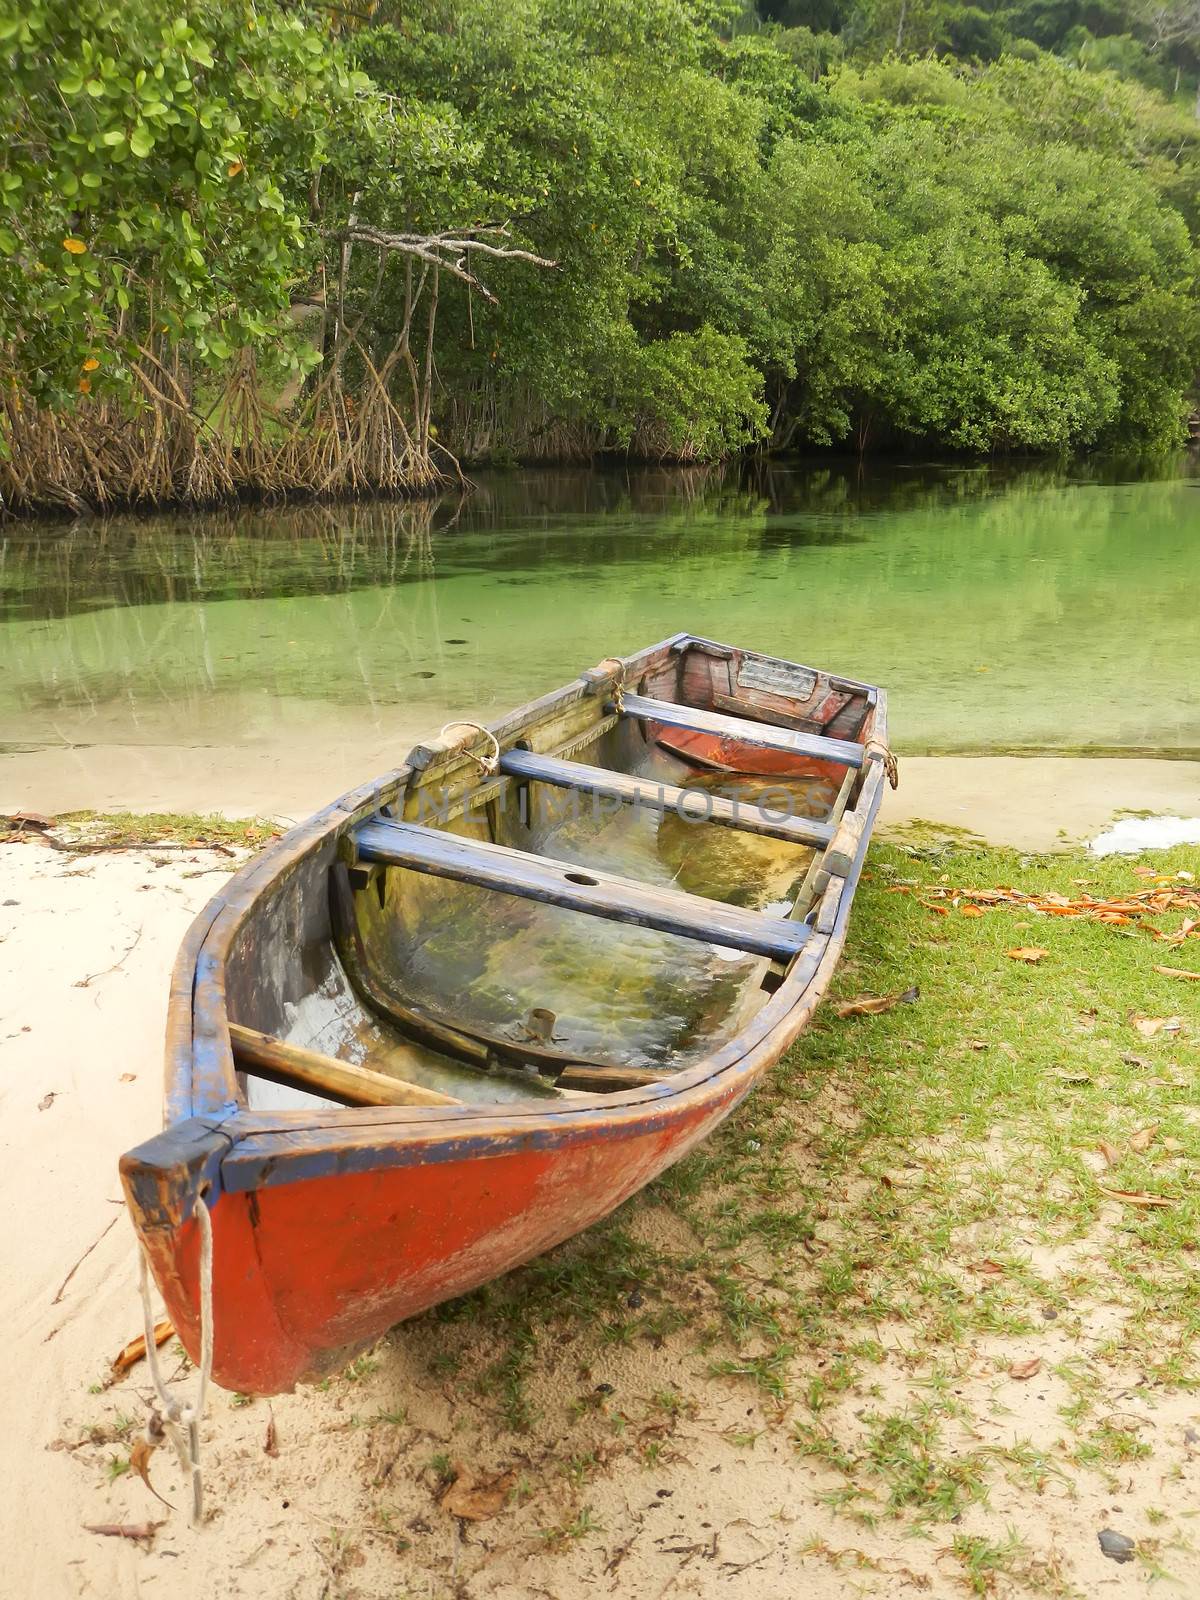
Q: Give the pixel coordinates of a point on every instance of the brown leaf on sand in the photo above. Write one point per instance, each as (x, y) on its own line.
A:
(48, 1100)
(477, 1499)
(1143, 1138)
(271, 1442)
(135, 1350)
(1134, 1197)
(123, 1530)
(143, 1449)
(1109, 1151)
(988, 1268)
(28, 821)
(1027, 953)
(1026, 1369)
(870, 1005)
(1178, 972)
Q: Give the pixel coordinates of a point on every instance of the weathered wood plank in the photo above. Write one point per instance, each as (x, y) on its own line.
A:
(598, 894)
(847, 752)
(843, 848)
(281, 1062)
(608, 1080)
(693, 805)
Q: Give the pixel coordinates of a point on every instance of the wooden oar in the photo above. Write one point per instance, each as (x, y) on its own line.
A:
(290, 1064)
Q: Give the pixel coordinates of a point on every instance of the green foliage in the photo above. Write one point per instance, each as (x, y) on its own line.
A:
(900, 249)
(154, 179)
(782, 226)
(976, 281)
(700, 392)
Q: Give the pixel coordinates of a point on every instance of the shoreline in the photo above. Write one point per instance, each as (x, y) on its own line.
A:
(1030, 802)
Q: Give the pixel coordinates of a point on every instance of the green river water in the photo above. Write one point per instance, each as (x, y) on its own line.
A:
(1003, 609)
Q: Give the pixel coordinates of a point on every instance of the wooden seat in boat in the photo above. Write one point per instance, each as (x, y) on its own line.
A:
(601, 894)
(691, 804)
(847, 752)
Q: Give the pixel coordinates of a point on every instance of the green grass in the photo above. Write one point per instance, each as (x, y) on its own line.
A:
(117, 829)
(927, 1170)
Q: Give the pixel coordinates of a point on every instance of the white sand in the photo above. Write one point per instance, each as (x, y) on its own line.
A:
(311, 1521)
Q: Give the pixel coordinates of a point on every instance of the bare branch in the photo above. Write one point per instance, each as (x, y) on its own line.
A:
(449, 251)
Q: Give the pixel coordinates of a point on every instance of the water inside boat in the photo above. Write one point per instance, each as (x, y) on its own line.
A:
(619, 993)
(395, 951)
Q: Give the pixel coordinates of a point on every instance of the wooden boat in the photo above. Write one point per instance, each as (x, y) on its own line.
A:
(431, 1032)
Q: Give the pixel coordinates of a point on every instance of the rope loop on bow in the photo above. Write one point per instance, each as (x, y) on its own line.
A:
(876, 747)
(489, 764)
(618, 667)
(182, 1422)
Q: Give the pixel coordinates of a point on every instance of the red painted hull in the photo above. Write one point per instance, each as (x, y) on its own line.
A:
(308, 1272)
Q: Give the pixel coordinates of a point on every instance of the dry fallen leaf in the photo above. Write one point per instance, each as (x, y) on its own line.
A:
(970, 911)
(1070, 1075)
(123, 1530)
(34, 821)
(143, 1449)
(135, 1350)
(1178, 972)
(1130, 1060)
(1028, 953)
(1148, 1026)
(977, 1044)
(477, 1501)
(988, 1268)
(271, 1442)
(1143, 1138)
(1109, 1151)
(870, 1005)
(127, 1077)
(1134, 1197)
(47, 1100)
(1026, 1369)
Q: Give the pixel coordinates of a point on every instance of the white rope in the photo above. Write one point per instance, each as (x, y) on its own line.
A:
(182, 1423)
(487, 764)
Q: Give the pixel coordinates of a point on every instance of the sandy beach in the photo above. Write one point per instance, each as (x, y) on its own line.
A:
(330, 1492)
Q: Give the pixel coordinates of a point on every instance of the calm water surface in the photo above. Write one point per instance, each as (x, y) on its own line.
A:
(1033, 610)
